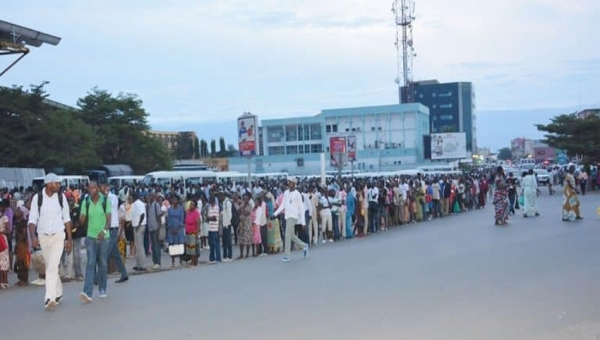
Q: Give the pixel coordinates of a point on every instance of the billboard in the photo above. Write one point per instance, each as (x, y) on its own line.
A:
(351, 148)
(448, 145)
(337, 146)
(247, 135)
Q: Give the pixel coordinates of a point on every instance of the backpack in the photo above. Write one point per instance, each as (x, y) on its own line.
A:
(40, 199)
(82, 230)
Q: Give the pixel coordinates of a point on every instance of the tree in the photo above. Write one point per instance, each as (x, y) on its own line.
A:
(575, 135)
(203, 149)
(222, 147)
(231, 151)
(38, 134)
(213, 148)
(196, 148)
(504, 154)
(184, 146)
(121, 127)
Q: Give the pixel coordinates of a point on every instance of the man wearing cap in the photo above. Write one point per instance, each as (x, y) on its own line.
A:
(50, 222)
(293, 205)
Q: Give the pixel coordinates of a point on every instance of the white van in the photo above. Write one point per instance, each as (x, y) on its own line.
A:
(120, 181)
(168, 178)
(66, 181)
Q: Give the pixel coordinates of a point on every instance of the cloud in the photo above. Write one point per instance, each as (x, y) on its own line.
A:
(210, 60)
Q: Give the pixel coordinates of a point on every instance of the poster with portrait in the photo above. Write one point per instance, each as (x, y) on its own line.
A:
(448, 145)
(351, 148)
(247, 135)
(337, 147)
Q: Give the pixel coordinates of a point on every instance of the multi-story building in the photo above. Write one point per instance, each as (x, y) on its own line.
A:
(171, 138)
(386, 138)
(451, 107)
(587, 112)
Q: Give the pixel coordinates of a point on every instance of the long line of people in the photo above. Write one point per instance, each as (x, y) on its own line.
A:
(146, 221)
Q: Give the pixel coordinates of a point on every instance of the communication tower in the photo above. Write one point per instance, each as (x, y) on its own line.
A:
(404, 13)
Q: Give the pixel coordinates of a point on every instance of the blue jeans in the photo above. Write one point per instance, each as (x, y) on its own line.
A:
(335, 220)
(155, 245)
(227, 244)
(97, 254)
(113, 252)
(215, 246)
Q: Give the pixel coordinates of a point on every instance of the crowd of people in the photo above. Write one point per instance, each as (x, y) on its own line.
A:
(142, 222)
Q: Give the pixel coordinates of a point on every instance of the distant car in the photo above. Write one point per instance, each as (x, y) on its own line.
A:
(543, 176)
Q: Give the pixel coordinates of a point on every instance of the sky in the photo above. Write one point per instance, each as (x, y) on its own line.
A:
(198, 65)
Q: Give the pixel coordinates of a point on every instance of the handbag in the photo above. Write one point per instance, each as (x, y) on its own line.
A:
(176, 249)
(522, 200)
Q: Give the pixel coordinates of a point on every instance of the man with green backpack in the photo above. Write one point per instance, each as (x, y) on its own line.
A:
(96, 213)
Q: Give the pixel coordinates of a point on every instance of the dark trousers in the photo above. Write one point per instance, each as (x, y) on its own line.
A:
(263, 236)
(373, 217)
(302, 233)
(227, 245)
(215, 246)
(146, 242)
(155, 245)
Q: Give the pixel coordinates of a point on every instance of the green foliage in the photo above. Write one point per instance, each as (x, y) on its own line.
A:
(203, 149)
(213, 148)
(196, 148)
(184, 146)
(106, 130)
(576, 136)
(222, 147)
(504, 154)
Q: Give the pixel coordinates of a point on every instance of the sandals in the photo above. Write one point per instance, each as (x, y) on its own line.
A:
(3, 285)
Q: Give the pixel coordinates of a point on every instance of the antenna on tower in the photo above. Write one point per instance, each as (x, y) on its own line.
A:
(404, 13)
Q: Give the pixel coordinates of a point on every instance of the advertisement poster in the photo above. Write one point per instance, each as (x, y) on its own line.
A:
(351, 148)
(247, 135)
(337, 146)
(448, 145)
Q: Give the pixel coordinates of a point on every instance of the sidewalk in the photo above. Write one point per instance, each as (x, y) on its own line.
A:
(131, 262)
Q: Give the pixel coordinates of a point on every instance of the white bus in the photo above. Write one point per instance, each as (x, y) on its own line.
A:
(187, 178)
(120, 181)
(233, 176)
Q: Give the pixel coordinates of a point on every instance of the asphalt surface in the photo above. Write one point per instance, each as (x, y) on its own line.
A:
(456, 278)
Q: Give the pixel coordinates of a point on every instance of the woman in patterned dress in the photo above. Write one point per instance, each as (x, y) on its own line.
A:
(501, 197)
(4, 259)
(245, 229)
(570, 202)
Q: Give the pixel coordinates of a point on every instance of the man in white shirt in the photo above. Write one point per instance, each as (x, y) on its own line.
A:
(373, 199)
(138, 222)
(113, 242)
(50, 221)
(226, 217)
(294, 214)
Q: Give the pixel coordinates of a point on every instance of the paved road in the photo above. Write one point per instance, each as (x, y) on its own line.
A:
(457, 278)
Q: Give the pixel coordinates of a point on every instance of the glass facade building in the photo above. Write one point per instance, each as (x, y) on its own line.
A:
(451, 107)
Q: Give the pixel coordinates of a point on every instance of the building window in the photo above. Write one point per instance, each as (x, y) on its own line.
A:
(291, 149)
(291, 133)
(334, 128)
(315, 132)
(446, 106)
(328, 128)
(446, 117)
(276, 150)
(300, 133)
(275, 134)
(316, 148)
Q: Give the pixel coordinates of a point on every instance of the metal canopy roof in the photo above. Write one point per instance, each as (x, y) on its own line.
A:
(20, 35)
